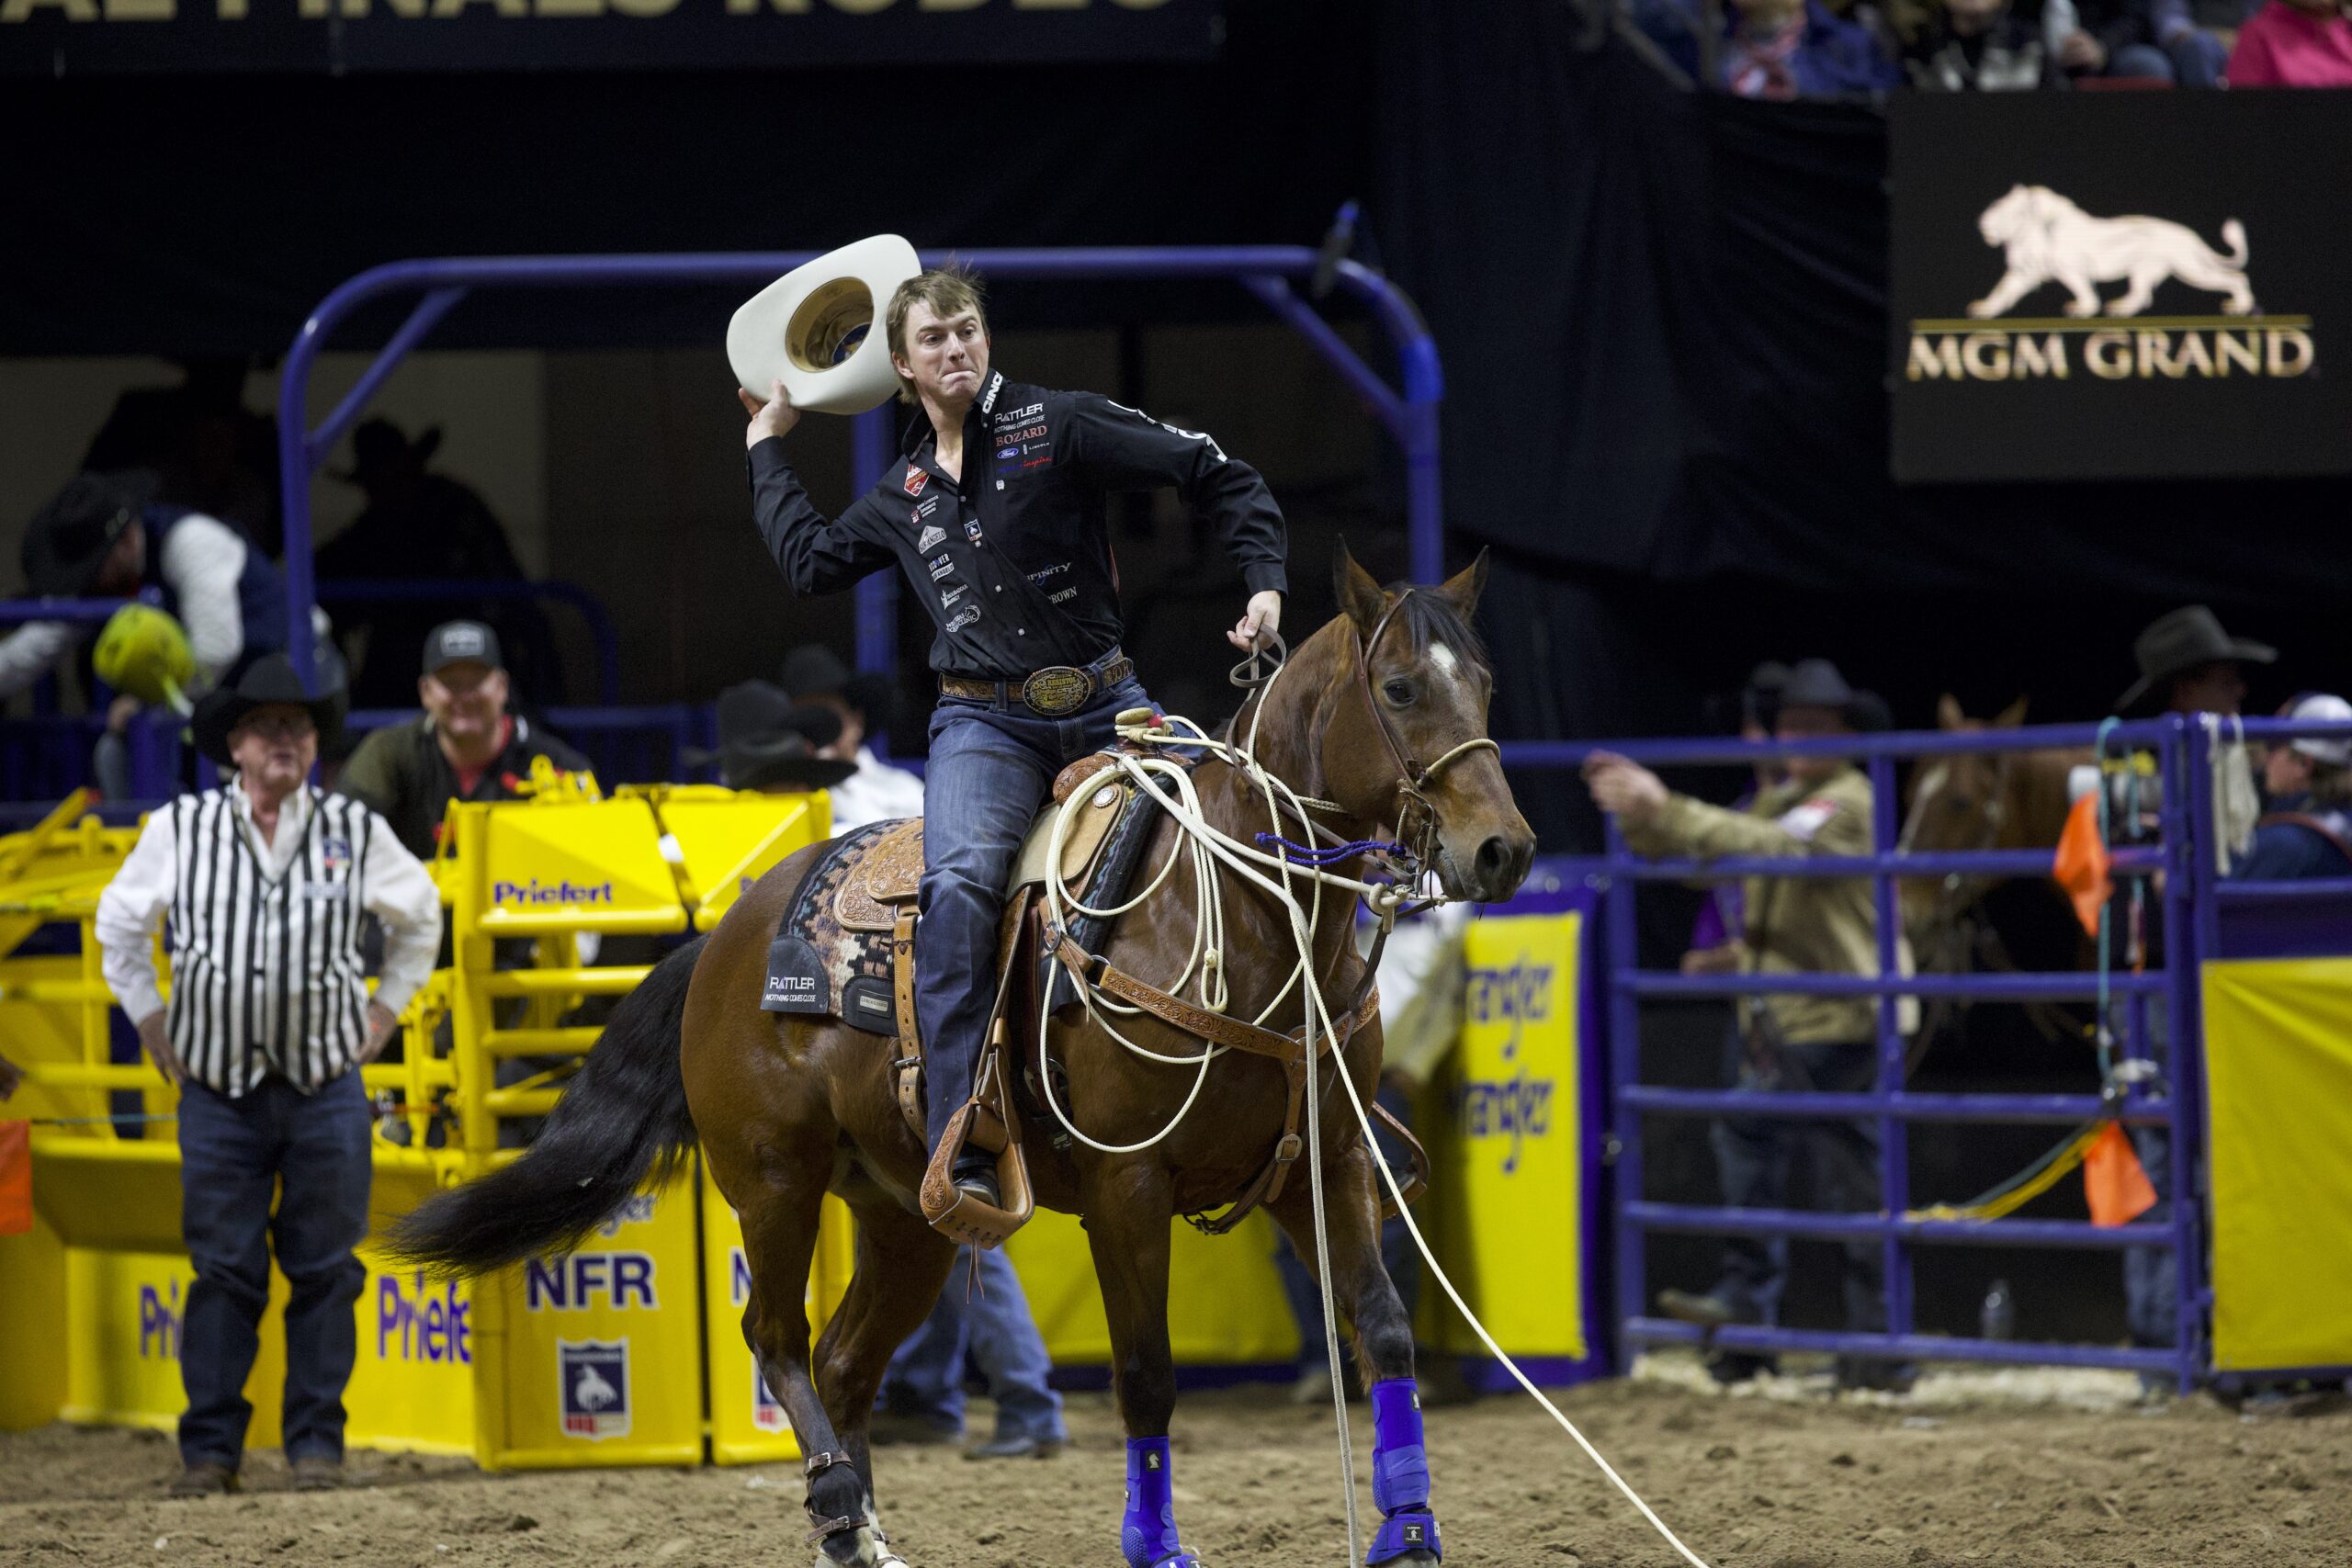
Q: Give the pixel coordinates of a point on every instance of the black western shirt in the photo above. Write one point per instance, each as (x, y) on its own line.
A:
(1014, 562)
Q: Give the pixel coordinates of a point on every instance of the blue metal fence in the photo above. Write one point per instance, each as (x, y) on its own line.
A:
(2203, 916)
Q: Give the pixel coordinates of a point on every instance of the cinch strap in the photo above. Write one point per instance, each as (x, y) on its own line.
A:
(1148, 1537)
(1400, 1473)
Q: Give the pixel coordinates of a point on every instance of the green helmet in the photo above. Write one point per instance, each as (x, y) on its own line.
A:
(144, 651)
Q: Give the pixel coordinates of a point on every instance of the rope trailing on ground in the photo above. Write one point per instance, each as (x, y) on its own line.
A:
(1206, 847)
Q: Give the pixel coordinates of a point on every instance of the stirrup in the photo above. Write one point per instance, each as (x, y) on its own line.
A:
(957, 1214)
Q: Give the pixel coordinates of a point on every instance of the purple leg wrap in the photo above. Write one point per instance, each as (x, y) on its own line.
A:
(1401, 1473)
(1147, 1536)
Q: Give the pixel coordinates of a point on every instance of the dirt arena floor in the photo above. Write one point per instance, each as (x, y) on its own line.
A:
(1998, 1468)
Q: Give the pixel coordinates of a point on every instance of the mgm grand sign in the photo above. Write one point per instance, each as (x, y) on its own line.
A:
(2142, 307)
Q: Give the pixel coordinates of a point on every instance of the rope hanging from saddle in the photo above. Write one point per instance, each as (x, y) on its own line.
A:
(1297, 852)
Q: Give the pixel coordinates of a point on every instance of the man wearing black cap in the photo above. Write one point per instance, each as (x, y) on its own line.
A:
(264, 880)
(105, 535)
(1818, 925)
(466, 747)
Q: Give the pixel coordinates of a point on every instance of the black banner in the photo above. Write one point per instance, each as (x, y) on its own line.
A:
(71, 37)
(2138, 285)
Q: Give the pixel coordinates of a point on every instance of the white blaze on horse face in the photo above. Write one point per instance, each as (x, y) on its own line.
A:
(1447, 665)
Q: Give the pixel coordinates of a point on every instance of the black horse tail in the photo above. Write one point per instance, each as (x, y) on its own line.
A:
(622, 1121)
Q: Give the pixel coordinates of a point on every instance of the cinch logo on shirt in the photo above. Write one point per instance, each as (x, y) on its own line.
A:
(559, 892)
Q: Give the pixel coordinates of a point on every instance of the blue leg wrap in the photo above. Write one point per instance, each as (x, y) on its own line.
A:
(1401, 1473)
(1147, 1535)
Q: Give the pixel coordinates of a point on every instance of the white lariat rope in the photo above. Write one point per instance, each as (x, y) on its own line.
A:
(1205, 847)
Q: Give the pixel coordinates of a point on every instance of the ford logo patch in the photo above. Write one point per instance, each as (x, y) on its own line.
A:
(1009, 452)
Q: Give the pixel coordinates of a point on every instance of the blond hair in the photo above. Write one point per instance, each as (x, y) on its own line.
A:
(949, 290)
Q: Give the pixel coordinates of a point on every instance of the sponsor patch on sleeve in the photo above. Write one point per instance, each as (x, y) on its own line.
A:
(1803, 822)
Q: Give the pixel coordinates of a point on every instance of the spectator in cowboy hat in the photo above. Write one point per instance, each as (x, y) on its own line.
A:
(2189, 664)
(2307, 827)
(877, 791)
(766, 742)
(467, 745)
(1786, 1040)
(107, 535)
(264, 881)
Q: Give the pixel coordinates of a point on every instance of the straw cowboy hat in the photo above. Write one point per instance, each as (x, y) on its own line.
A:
(2179, 641)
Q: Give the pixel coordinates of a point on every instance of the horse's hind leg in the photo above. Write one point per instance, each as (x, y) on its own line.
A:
(780, 1219)
(901, 1263)
(1361, 1289)
(1127, 1212)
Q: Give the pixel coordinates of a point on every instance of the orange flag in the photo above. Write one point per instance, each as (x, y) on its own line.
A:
(2081, 865)
(2113, 1181)
(15, 1178)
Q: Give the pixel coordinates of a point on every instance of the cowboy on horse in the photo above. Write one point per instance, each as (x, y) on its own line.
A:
(997, 518)
(1210, 1021)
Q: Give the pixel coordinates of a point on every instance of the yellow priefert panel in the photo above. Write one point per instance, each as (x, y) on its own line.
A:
(728, 839)
(2278, 1088)
(601, 1349)
(587, 865)
(1507, 1178)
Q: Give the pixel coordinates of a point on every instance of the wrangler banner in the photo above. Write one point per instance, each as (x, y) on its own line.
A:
(2120, 284)
(63, 37)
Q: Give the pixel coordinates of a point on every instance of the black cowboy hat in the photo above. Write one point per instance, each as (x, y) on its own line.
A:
(2179, 641)
(813, 671)
(764, 739)
(68, 538)
(1760, 699)
(269, 679)
(1818, 683)
(378, 445)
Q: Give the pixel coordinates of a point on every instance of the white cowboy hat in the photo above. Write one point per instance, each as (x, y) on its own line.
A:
(818, 329)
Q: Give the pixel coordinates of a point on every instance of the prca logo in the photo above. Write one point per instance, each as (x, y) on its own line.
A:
(593, 1375)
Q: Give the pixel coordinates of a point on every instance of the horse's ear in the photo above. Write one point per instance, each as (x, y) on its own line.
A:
(2012, 716)
(1949, 713)
(1461, 590)
(1358, 595)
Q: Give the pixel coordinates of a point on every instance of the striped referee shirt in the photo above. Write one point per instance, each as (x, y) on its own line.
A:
(267, 975)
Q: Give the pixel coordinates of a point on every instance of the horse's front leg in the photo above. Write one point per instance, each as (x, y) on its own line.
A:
(1128, 1211)
(1384, 1331)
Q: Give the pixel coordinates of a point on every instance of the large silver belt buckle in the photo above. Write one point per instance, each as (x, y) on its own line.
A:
(1057, 690)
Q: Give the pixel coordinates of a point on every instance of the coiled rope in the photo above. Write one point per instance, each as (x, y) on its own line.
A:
(1205, 847)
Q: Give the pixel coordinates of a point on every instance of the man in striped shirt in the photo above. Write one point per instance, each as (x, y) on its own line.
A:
(265, 882)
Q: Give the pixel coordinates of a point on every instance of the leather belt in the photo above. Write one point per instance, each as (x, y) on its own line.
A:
(1055, 692)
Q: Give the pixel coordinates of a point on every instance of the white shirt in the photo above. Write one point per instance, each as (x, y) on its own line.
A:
(875, 793)
(29, 652)
(394, 887)
(201, 562)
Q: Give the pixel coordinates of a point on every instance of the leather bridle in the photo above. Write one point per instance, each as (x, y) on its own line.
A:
(1413, 779)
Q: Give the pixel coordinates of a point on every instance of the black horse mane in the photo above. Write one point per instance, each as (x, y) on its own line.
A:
(1432, 617)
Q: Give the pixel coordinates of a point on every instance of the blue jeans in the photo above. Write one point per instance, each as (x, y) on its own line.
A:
(994, 1329)
(234, 1153)
(990, 771)
(1396, 1253)
(1752, 1160)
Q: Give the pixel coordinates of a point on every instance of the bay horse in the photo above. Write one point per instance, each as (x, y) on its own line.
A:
(1969, 801)
(789, 1107)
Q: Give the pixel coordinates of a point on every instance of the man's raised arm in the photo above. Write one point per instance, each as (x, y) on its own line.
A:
(818, 554)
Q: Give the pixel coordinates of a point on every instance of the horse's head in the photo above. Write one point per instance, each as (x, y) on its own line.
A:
(1400, 724)
(1957, 805)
